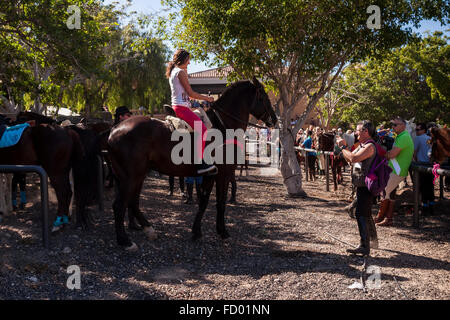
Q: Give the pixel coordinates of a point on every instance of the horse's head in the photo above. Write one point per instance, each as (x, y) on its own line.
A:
(326, 141)
(261, 107)
(440, 144)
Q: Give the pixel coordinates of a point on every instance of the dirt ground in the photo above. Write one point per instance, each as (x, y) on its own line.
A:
(280, 248)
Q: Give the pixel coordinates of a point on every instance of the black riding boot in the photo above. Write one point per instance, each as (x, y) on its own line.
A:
(364, 247)
(190, 190)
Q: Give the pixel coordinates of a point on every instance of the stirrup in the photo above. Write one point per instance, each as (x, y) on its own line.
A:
(210, 170)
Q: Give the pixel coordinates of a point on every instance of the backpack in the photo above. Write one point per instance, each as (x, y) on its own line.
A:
(378, 176)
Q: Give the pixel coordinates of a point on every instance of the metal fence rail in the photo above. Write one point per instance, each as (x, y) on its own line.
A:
(44, 195)
(327, 163)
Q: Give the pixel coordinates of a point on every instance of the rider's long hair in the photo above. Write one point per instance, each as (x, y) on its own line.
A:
(178, 59)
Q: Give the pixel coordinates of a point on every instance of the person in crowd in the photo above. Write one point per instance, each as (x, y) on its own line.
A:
(421, 154)
(400, 157)
(172, 185)
(190, 188)
(122, 113)
(311, 156)
(362, 158)
(320, 156)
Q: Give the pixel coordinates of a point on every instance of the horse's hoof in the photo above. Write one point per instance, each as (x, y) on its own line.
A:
(132, 248)
(150, 233)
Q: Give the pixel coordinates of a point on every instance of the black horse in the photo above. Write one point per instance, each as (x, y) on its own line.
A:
(140, 143)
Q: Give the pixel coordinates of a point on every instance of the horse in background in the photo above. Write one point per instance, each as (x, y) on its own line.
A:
(327, 142)
(55, 149)
(58, 150)
(440, 144)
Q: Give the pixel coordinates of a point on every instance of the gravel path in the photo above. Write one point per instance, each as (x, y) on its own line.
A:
(280, 248)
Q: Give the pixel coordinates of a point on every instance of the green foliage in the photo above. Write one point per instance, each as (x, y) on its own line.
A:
(46, 62)
(411, 81)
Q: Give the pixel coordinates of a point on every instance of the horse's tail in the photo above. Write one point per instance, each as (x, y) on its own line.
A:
(84, 166)
(78, 151)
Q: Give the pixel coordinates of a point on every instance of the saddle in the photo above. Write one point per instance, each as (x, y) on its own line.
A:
(11, 135)
(176, 123)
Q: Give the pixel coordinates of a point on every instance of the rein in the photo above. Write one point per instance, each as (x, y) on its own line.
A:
(215, 108)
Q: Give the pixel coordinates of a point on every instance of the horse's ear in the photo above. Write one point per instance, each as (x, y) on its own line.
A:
(256, 82)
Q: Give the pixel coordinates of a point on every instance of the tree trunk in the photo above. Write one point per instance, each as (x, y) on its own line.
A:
(290, 169)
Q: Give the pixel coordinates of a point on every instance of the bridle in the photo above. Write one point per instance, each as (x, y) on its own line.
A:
(265, 115)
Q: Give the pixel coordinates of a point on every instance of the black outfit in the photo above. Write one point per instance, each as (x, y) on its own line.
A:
(363, 215)
(363, 211)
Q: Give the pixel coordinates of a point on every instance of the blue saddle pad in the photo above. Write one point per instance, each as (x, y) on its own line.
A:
(12, 135)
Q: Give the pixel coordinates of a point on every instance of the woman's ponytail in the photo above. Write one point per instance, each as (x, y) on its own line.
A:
(169, 69)
(178, 59)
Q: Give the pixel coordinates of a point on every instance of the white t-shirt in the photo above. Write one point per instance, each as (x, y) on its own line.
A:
(179, 95)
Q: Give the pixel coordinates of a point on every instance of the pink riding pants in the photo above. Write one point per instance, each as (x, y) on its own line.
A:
(190, 117)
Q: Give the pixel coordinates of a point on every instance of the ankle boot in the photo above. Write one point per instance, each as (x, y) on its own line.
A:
(381, 213)
(190, 190)
(371, 229)
(364, 246)
(388, 220)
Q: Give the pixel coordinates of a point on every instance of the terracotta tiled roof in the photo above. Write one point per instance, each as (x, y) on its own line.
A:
(212, 73)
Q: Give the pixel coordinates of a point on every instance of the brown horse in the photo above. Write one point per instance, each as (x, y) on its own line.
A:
(326, 142)
(58, 150)
(141, 143)
(440, 142)
(55, 149)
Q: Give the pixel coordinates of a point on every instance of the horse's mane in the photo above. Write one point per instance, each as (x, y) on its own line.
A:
(231, 91)
(23, 116)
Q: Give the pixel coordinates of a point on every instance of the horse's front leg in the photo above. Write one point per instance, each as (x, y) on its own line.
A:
(206, 188)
